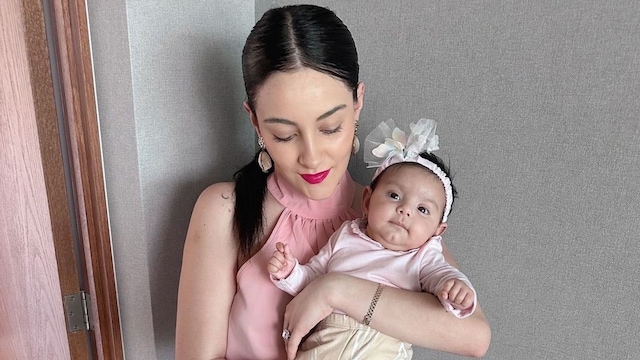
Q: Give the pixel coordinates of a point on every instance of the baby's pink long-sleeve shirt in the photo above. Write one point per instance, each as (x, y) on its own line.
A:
(352, 252)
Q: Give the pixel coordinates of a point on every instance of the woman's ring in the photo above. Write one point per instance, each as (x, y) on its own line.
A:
(286, 334)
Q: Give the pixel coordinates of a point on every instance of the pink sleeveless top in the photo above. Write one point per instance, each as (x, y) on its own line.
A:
(255, 320)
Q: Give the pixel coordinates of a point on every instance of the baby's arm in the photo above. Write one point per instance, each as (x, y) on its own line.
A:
(282, 262)
(450, 285)
(290, 276)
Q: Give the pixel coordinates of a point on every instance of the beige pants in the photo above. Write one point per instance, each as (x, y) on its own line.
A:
(341, 337)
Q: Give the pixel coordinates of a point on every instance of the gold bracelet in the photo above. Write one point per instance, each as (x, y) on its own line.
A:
(372, 307)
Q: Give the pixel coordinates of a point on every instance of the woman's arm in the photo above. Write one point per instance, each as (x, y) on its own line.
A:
(414, 317)
(417, 318)
(207, 279)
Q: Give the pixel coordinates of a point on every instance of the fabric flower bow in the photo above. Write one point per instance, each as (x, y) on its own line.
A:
(387, 142)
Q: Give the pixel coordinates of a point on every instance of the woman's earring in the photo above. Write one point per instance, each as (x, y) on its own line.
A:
(264, 160)
(355, 146)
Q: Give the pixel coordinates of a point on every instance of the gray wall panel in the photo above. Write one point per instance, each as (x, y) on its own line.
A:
(538, 106)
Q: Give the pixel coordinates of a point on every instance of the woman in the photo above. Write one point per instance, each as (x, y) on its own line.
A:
(303, 98)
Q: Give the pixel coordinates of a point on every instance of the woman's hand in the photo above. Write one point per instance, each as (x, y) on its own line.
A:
(306, 310)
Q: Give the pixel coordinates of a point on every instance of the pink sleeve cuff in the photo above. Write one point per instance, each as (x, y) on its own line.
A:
(292, 283)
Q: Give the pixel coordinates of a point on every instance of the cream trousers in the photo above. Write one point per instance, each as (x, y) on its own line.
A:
(341, 337)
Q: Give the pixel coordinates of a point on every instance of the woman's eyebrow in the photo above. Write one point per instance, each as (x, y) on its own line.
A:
(277, 120)
(331, 112)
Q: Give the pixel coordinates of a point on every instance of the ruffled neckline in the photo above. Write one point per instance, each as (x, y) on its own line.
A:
(338, 203)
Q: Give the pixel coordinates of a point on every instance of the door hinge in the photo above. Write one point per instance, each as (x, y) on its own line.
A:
(77, 309)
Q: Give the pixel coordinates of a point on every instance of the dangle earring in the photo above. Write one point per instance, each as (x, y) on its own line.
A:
(264, 160)
(355, 146)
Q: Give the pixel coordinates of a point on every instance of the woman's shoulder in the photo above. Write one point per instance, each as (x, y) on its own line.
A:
(217, 198)
(213, 211)
(218, 193)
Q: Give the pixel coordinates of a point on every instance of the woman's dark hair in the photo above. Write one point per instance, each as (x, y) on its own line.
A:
(286, 39)
(431, 157)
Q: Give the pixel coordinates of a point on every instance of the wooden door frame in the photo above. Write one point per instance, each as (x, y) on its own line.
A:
(73, 54)
(51, 154)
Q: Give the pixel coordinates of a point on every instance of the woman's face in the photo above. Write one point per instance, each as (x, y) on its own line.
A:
(307, 119)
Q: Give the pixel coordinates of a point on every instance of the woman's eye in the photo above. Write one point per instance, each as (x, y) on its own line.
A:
(332, 131)
(394, 196)
(279, 139)
(423, 209)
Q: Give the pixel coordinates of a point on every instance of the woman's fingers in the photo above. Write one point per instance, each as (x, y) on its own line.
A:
(305, 311)
(292, 344)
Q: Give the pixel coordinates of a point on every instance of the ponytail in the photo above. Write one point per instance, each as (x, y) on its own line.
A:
(250, 188)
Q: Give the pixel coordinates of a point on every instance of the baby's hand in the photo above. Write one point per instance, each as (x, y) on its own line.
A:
(457, 293)
(282, 262)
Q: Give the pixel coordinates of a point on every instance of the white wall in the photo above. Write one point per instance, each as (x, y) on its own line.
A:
(169, 89)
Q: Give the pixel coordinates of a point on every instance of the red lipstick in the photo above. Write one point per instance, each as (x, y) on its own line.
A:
(316, 178)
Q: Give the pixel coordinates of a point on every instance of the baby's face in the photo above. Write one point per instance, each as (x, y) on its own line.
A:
(405, 209)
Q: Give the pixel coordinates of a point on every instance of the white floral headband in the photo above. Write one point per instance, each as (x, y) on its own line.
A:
(387, 145)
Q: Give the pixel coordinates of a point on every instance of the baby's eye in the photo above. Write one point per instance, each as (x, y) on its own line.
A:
(423, 209)
(394, 196)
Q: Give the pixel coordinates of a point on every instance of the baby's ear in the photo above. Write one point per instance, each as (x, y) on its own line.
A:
(366, 199)
(441, 229)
